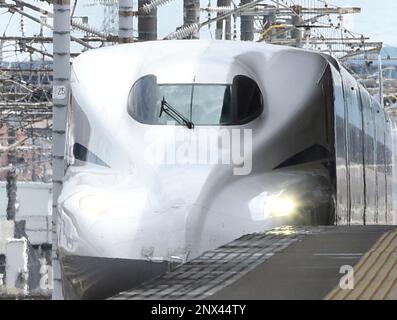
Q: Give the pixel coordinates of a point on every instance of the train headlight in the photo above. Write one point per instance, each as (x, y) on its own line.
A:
(94, 204)
(279, 206)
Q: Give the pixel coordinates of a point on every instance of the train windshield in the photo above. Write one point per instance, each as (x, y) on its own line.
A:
(200, 104)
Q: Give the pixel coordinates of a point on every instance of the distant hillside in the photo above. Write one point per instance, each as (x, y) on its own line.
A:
(36, 64)
(389, 58)
(388, 51)
(370, 66)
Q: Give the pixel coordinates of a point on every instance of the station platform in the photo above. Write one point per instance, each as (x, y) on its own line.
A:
(286, 263)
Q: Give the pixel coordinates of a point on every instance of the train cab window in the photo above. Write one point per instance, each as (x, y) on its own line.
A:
(200, 104)
(78, 136)
(82, 155)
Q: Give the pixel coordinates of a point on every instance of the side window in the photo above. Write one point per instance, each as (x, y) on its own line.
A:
(247, 99)
(143, 100)
(82, 154)
(78, 137)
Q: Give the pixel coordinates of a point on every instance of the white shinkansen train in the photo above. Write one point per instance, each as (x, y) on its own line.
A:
(178, 147)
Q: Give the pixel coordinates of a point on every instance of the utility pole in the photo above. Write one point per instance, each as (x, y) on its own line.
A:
(380, 66)
(60, 95)
(11, 193)
(296, 20)
(191, 15)
(246, 25)
(1, 51)
(225, 24)
(147, 22)
(126, 19)
(11, 186)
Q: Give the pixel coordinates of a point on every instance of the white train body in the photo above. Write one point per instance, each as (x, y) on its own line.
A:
(136, 198)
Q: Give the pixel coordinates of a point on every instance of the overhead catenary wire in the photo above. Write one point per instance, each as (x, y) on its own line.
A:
(187, 30)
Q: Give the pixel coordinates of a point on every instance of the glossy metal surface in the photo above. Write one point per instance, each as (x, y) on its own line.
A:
(166, 212)
(365, 156)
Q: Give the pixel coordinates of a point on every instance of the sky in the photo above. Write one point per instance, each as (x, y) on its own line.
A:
(378, 20)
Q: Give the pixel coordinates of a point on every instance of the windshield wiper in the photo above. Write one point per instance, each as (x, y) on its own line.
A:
(174, 114)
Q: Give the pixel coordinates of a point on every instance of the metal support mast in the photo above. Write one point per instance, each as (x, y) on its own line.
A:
(381, 102)
(225, 24)
(191, 15)
(296, 21)
(61, 88)
(247, 25)
(126, 19)
(147, 22)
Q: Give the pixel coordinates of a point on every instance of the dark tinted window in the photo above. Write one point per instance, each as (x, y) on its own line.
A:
(82, 154)
(78, 138)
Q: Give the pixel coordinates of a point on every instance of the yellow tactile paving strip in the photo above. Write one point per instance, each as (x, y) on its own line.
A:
(375, 275)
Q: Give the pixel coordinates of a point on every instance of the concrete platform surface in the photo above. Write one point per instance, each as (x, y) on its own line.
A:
(308, 269)
(375, 276)
(284, 263)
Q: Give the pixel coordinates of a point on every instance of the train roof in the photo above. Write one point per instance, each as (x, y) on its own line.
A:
(177, 61)
(103, 78)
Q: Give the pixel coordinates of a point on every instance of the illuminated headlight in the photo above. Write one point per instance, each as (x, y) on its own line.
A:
(94, 204)
(279, 206)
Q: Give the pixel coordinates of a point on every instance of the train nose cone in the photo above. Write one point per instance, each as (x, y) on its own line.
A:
(99, 278)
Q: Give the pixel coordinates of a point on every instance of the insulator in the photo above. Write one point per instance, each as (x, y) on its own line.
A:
(108, 3)
(184, 32)
(87, 28)
(147, 7)
(220, 9)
